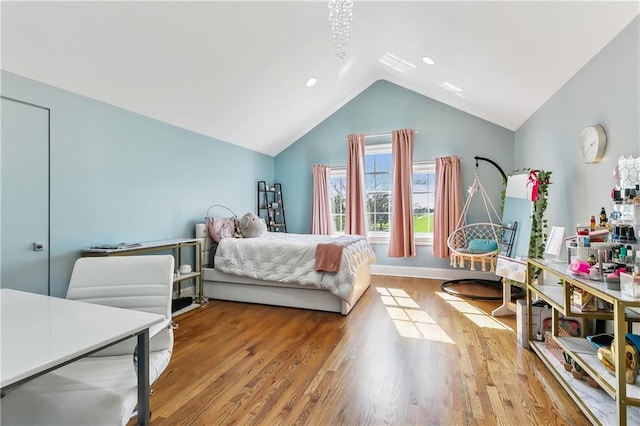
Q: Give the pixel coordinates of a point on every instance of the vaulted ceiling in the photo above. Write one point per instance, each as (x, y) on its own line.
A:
(236, 71)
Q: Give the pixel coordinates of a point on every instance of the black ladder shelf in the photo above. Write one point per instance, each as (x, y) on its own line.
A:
(271, 206)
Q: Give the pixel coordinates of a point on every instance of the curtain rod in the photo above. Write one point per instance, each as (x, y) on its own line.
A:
(377, 135)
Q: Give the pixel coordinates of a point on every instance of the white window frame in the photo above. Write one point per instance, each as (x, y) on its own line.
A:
(425, 238)
(377, 237)
(381, 237)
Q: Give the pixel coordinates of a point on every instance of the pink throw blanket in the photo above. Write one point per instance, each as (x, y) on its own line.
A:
(329, 255)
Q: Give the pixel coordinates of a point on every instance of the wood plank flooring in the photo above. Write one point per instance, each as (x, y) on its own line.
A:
(408, 354)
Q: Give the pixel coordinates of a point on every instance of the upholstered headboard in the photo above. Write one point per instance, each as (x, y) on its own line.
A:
(219, 221)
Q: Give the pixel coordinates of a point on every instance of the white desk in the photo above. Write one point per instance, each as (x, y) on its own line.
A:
(41, 333)
(175, 245)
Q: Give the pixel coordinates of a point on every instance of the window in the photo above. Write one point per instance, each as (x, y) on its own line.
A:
(378, 184)
(338, 194)
(424, 199)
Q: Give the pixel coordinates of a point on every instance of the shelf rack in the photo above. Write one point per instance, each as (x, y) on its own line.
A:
(615, 402)
(175, 246)
(271, 206)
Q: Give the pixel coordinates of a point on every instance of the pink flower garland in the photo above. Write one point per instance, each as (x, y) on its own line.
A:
(533, 179)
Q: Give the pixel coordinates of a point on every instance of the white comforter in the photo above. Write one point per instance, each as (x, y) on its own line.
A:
(289, 258)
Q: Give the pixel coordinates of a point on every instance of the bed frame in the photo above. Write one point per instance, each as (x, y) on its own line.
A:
(218, 285)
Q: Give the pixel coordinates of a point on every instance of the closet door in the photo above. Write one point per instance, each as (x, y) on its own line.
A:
(25, 197)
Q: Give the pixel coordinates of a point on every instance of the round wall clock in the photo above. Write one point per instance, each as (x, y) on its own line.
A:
(593, 142)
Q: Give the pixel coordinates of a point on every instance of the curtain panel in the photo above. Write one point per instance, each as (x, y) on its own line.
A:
(401, 240)
(356, 220)
(448, 202)
(321, 223)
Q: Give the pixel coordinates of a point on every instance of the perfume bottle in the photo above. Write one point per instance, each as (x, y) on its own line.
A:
(603, 217)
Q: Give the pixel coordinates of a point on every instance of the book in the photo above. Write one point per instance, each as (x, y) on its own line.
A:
(119, 246)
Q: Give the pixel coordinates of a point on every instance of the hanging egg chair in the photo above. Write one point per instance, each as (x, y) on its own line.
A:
(477, 244)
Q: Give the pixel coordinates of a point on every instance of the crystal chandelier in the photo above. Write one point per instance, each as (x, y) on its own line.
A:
(340, 15)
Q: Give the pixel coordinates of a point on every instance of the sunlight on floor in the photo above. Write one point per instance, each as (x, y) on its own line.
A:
(475, 315)
(409, 319)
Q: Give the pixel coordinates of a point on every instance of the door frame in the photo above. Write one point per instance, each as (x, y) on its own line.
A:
(48, 110)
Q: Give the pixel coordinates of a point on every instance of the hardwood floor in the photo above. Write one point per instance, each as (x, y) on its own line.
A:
(407, 354)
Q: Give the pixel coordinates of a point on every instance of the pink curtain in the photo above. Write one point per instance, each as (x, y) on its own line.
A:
(401, 241)
(356, 221)
(448, 202)
(321, 205)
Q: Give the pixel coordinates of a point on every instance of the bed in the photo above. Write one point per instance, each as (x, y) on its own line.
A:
(280, 269)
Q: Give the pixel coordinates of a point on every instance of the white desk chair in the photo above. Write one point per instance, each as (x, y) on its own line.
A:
(102, 389)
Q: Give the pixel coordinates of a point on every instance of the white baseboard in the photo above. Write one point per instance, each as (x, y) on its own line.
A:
(434, 273)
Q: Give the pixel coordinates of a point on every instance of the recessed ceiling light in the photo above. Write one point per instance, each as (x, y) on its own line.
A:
(450, 87)
(427, 60)
(311, 82)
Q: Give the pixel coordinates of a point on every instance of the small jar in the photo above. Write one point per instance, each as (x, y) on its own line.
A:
(630, 255)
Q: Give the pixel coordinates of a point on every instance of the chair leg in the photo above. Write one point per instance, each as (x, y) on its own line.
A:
(135, 412)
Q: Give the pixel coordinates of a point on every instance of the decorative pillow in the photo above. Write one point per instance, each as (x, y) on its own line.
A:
(221, 227)
(483, 246)
(252, 226)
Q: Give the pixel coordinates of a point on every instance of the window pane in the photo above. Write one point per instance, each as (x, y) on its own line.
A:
(368, 163)
(431, 182)
(420, 204)
(431, 200)
(423, 201)
(337, 185)
(369, 182)
(382, 222)
(381, 202)
(338, 204)
(423, 222)
(372, 221)
(337, 193)
(419, 182)
(379, 222)
(383, 163)
(382, 182)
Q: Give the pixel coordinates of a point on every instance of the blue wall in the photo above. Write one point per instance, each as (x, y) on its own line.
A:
(442, 130)
(118, 176)
(605, 91)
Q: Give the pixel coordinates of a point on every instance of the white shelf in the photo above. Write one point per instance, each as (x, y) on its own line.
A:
(607, 404)
(183, 277)
(587, 355)
(553, 293)
(596, 404)
(175, 245)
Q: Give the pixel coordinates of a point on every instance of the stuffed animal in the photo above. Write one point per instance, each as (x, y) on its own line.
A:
(252, 226)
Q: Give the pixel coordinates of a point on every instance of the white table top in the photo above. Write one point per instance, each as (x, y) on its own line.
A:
(41, 332)
(142, 246)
